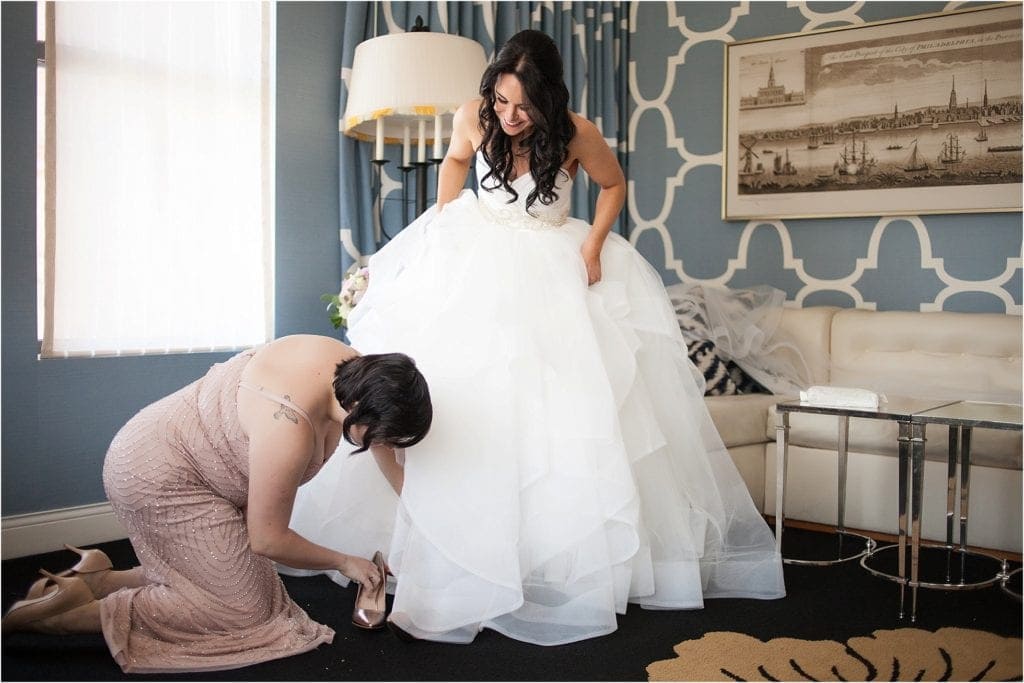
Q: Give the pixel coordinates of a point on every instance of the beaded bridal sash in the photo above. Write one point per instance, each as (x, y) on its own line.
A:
(514, 216)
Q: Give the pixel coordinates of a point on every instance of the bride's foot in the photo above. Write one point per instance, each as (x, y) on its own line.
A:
(370, 607)
(92, 566)
(69, 593)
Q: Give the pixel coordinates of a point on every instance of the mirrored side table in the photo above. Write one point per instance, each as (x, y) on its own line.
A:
(896, 408)
(961, 417)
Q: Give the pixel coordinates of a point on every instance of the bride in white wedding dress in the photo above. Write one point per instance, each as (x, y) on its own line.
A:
(572, 466)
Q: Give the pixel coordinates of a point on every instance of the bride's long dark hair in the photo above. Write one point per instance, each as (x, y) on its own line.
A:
(533, 58)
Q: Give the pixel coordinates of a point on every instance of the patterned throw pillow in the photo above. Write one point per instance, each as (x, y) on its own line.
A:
(722, 377)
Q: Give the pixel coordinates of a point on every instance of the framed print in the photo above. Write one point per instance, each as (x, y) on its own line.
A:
(912, 116)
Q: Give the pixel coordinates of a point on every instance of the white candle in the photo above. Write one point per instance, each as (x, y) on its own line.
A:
(405, 145)
(437, 137)
(421, 141)
(378, 150)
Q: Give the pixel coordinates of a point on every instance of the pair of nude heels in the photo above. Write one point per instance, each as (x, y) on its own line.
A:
(370, 610)
(57, 593)
(92, 562)
(70, 592)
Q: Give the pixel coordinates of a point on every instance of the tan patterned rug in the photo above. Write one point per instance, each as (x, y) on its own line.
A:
(906, 654)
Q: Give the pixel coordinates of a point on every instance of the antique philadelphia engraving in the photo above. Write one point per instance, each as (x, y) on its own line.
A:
(922, 115)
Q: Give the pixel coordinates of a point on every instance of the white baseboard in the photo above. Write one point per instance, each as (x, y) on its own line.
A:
(43, 532)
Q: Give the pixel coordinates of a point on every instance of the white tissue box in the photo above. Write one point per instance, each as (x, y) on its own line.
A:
(844, 397)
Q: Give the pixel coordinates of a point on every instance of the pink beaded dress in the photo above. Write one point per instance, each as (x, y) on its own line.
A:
(177, 477)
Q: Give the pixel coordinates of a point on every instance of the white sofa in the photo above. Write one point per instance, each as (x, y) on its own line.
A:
(939, 355)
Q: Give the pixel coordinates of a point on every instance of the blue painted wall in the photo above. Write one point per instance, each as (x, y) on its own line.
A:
(965, 262)
(60, 415)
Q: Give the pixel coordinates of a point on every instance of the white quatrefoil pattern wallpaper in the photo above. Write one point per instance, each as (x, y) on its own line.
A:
(953, 262)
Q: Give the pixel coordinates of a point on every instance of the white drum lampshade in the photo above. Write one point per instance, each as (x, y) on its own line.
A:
(402, 79)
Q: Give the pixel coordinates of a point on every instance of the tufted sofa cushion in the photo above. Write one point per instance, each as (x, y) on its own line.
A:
(928, 355)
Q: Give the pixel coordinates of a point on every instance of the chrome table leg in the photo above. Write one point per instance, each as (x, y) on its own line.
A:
(781, 462)
(965, 493)
(916, 494)
(951, 461)
(843, 443)
(904, 490)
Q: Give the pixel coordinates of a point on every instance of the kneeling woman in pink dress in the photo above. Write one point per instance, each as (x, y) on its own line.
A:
(204, 481)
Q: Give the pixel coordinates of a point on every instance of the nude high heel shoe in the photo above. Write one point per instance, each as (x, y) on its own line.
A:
(91, 561)
(370, 609)
(71, 592)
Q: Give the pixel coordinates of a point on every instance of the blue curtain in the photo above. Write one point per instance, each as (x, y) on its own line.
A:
(593, 39)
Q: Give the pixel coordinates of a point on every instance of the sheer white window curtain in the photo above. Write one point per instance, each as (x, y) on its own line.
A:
(159, 177)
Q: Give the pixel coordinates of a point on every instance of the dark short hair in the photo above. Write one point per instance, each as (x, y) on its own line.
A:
(386, 393)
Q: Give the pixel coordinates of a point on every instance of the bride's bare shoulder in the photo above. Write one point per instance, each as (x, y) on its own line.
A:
(467, 132)
(585, 128)
(469, 112)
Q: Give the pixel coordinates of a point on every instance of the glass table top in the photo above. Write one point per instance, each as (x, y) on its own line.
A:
(893, 408)
(974, 414)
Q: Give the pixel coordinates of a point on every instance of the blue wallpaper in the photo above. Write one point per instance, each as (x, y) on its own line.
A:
(962, 262)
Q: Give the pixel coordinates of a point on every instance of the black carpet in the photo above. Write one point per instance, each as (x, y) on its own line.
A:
(836, 603)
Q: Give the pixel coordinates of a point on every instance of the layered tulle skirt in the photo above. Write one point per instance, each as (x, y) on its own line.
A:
(571, 466)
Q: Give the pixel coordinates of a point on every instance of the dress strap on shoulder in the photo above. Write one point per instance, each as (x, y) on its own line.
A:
(277, 398)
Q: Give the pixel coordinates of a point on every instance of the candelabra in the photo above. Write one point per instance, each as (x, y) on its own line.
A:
(401, 83)
(418, 171)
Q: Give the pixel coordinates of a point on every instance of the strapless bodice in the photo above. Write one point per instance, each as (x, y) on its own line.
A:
(497, 203)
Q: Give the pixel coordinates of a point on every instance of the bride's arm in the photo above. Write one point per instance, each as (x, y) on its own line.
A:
(599, 162)
(455, 167)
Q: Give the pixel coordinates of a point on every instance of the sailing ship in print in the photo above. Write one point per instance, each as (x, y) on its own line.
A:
(830, 137)
(952, 152)
(852, 163)
(915, 162)
(812, 141)
(982, 136)
(784, 167)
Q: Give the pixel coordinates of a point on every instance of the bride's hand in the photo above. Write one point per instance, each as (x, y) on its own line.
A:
(592, 261)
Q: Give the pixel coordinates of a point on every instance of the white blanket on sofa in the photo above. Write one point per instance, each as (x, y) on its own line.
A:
(744, 326)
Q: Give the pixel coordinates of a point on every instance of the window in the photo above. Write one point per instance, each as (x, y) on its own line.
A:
(158, 206)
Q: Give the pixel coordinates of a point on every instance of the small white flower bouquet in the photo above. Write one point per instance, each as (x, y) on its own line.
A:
(353, 285)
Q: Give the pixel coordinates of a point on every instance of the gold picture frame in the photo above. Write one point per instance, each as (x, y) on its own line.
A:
(917, 115)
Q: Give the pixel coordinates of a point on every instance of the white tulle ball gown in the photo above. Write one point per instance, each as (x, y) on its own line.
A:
(572, 466)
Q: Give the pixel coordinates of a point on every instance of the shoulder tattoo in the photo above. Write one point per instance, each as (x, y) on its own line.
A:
(286, 412)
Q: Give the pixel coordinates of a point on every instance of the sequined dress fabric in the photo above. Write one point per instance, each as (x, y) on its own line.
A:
(177, 477)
